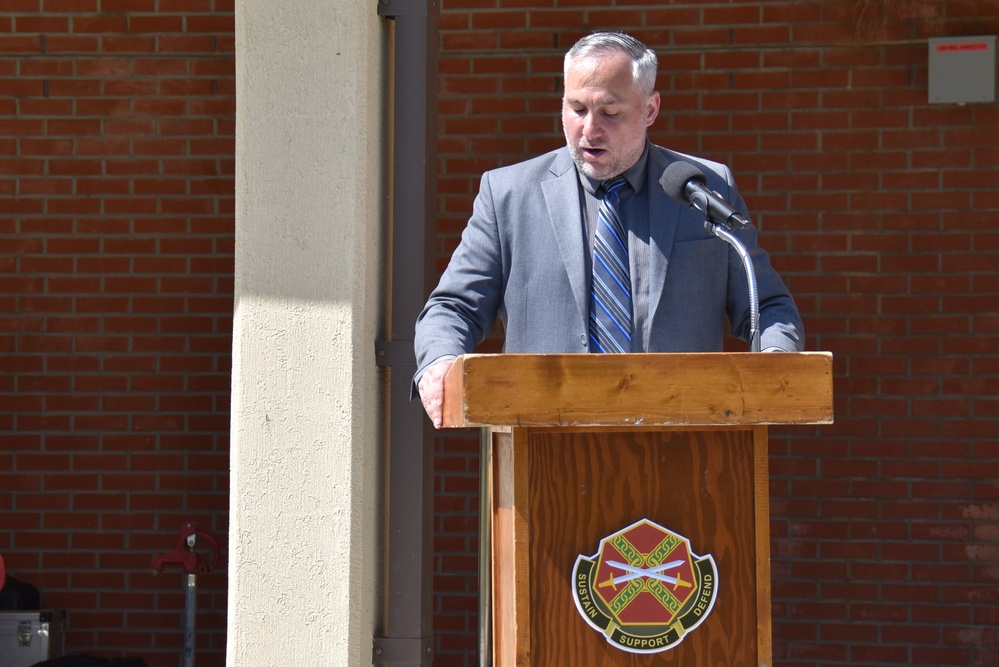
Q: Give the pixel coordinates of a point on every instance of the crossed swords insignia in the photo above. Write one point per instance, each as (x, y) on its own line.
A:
(655, 572)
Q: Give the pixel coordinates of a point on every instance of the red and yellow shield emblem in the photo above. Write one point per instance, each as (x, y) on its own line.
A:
(644, 589)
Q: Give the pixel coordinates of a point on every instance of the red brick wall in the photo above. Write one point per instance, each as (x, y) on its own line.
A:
(116, 154)
(881, 212)
(116, 232)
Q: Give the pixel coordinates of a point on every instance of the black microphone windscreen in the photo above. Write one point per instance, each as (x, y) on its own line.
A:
(676, 176)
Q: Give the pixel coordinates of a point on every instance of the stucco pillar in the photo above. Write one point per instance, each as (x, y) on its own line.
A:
(309, 151)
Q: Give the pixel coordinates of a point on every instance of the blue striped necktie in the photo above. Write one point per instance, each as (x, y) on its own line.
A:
(610, 300)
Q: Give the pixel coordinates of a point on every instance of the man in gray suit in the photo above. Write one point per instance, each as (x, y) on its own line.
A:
(526, 255)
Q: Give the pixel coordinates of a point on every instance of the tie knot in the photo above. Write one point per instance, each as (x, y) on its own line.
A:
(614, 185)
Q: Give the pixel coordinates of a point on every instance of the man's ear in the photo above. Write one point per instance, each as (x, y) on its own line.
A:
(652, 109)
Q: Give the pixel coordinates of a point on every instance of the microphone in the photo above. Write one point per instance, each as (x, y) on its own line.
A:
(686, 184)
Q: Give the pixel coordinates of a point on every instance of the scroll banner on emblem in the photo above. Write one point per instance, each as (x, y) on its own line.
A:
(644, 589)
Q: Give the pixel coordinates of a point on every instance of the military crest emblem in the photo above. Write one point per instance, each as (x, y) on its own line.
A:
(644, 589)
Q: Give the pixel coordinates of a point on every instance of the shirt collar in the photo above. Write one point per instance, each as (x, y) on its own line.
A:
(635, 174)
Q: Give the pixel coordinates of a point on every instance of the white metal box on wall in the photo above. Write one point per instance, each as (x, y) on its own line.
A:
(962, 69)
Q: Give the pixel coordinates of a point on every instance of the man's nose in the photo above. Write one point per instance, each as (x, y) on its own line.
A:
(592, 126)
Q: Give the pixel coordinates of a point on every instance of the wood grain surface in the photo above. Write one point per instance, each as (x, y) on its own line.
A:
(584, 486)
(639, 389)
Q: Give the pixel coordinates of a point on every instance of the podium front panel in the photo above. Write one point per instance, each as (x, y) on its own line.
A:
(559, 492)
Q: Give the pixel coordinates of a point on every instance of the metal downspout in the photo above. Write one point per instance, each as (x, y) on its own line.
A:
(407, 636)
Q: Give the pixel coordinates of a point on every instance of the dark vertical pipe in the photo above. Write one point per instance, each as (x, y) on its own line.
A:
(407, 638)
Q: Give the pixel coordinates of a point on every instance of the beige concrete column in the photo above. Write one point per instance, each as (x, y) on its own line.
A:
(303, 546)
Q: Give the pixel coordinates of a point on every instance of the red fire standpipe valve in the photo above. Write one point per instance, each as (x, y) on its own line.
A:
(184, 555)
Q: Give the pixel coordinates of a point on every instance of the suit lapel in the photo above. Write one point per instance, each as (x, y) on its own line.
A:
(664, 215)
(562, 199)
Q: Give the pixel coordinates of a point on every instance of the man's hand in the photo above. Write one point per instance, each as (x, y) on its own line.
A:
(431, 388)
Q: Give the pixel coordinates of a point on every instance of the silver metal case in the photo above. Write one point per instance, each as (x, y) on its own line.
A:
(27, 637)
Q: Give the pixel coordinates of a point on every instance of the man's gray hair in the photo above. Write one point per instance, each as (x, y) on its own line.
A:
(644, 63)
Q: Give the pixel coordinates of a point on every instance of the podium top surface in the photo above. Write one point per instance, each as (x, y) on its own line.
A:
(690, 389)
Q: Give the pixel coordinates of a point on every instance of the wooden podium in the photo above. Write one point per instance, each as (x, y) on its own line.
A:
(579, 448)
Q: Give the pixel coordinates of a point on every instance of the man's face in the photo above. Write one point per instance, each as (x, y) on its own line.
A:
(604, 116)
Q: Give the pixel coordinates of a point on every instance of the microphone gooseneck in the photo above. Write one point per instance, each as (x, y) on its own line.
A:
(685, 183)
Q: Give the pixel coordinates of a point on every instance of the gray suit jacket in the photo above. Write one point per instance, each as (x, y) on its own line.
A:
(522, 258)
